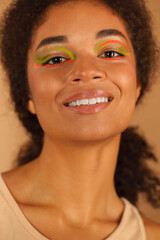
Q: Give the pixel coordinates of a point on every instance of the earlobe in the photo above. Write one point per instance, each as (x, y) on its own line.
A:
(138, 90)
(31, 106)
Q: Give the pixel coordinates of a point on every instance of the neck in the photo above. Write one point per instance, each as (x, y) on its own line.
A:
(79, 179)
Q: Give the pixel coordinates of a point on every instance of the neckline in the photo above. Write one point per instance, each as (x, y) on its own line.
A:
(27, 225)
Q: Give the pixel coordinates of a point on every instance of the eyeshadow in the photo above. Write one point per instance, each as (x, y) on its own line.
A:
(46, 54)
(118, 45)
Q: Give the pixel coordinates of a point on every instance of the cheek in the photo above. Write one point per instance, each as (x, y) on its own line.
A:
(45, 85)
(45, 88)
(124, 77)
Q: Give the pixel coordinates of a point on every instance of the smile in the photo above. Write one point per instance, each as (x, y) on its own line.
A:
(87, 102)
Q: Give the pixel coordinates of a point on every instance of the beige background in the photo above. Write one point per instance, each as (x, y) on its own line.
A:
(147, 117)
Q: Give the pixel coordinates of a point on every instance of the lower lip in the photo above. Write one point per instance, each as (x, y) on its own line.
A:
(95, 108)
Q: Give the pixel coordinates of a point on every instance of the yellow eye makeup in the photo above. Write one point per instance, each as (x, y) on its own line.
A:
(112, 49)
(43, 57)
(112, 46)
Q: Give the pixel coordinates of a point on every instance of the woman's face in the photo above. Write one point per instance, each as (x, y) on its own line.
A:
(82, 51)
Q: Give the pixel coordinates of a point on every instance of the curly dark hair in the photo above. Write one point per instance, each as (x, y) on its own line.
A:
(20, 21)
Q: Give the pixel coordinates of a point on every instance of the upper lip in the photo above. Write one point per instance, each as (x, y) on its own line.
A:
(87, 94)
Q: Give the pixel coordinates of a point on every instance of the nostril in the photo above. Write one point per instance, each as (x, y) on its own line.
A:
(76, 80)
(95, 77)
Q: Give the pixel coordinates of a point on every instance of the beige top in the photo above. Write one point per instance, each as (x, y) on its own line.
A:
(15, 226)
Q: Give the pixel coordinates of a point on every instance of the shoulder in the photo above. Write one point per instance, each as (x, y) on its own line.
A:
(152, 229)
(19, 181)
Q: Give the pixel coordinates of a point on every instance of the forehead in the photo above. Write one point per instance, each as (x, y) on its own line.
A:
(79, 21)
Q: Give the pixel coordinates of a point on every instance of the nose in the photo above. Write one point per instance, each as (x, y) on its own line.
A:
(86, 70)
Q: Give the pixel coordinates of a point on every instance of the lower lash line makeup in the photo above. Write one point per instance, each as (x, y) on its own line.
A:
(46, 55)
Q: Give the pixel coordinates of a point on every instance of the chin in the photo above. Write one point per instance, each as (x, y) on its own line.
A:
(92, 136)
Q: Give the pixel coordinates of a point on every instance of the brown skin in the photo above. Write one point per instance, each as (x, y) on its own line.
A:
(68, 192)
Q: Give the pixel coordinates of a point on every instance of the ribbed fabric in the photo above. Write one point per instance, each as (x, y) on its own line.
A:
(15, 226)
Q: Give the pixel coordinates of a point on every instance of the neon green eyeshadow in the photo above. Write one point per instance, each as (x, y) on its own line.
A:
(46, 55)
(118, 46)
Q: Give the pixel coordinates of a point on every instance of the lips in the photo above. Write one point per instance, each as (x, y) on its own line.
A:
(87, 94)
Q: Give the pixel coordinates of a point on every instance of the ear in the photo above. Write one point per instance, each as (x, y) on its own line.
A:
(31, 106)
(138, 90)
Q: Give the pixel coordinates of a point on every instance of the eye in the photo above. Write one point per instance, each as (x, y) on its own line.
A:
(55, 61)
(111, 54)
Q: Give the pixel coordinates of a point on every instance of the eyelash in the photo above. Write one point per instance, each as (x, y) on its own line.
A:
(110, 57)
(47, 63)
(110, 54)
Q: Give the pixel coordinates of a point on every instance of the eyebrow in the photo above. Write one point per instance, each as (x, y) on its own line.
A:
(64, 39)
(109, 32)
(50, 40)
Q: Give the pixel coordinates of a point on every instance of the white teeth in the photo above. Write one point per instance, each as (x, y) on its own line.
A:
(99, 100)
(78, 102)
(103, 99)
(84, 102)
(73, 103)
(90, 101)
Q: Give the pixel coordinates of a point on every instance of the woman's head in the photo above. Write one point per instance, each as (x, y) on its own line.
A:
(23, 23)
(87, 64)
